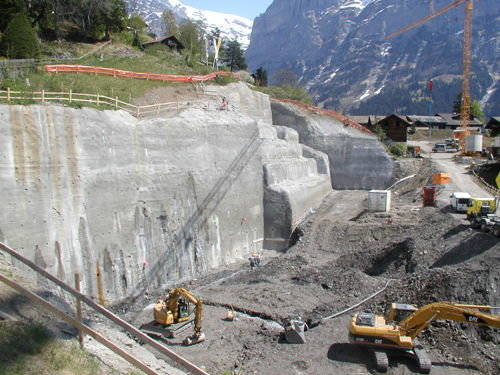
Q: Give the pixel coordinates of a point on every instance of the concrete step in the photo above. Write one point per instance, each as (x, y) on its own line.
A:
(277, 172)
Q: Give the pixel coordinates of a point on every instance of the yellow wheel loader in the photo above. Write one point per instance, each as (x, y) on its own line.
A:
(398, 330)
(172, 310)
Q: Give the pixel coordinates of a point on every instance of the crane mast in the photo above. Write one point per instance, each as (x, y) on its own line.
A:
(465, 108)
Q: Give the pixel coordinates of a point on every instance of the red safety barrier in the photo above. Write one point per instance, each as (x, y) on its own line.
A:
(136, 75)
(327, 112)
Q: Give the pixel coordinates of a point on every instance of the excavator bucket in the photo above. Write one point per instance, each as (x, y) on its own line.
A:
(294, 332)
(195, 339)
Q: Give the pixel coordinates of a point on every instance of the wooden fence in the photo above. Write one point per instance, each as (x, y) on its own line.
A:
(180, 361)
(73, 97)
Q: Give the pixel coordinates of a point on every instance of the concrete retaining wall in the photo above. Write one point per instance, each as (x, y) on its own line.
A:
(133, 205)
(357, 160)
(296, 180)
(129, 203)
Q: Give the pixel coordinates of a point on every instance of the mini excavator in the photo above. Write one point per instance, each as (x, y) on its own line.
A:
(174, 309)
(399, 329)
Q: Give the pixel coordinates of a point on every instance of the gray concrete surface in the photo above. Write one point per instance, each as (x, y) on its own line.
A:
(357, 160)
(129, 204)
(138, 204)
(296, 180)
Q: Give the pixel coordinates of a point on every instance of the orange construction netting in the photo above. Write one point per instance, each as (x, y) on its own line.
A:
(327, 112)
(137, 75)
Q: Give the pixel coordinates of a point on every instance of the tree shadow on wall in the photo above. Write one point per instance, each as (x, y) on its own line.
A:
(204, 209)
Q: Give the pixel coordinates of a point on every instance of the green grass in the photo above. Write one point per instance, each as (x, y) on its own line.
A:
(155, 60)
(29, 349)
(286, 92)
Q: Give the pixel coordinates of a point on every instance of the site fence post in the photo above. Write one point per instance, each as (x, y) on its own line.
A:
(70, 95)
(43, 96)
(8, 94)
(98, 99)
(116, 102)
(79, 309)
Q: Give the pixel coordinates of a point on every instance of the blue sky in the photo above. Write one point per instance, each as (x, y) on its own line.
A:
(245, 8)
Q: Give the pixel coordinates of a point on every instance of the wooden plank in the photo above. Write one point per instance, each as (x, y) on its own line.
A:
(98, 337)
(114, 318)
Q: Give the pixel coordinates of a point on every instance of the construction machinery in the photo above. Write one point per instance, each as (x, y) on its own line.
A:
(171, 311)
(480, 211)
(399, 329)
(465, 108)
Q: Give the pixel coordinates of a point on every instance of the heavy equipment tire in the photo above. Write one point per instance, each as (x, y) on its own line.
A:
(496, 231)
(484, 227)
(381, 360)
(474, 224)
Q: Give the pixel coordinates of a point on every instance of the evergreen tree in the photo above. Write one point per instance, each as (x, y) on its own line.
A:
(190, 37)
(7, 9)
(260, 77)
(234, 55)
(20, 40)
(475, 108)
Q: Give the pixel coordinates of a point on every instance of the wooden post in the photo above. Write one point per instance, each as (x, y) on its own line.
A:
(79, 309)
(98, 99)
(158, 109)
(100, 287)
(38, 301)
(98, 308)
(116, 101)
(70, 95)
(43, 96)
(137, 111)
(8, 94)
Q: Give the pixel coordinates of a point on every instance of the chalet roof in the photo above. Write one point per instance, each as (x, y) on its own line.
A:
(164, 38)
(427, 119)
(359, 119)
(453, 119)
(400, 117)
(494, 122)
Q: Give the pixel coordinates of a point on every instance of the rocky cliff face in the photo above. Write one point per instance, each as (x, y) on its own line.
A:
(337, 47)
(230, 26)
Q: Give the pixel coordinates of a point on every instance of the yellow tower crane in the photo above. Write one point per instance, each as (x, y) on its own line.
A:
(467, 53)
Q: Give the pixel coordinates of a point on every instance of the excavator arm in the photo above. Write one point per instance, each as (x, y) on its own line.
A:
(173, 304)
(420, 319)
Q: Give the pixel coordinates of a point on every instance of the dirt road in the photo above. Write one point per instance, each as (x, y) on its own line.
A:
(461, 178)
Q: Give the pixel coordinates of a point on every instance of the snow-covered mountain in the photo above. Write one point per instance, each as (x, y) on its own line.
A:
(338, 50)
(231, 26)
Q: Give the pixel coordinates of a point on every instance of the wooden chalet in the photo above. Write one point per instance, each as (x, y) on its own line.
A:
(494, 125)
(395, 127)
(170, 41)
(435, 122)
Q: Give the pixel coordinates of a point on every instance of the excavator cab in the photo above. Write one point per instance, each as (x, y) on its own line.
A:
(183, 310)
(399, 311)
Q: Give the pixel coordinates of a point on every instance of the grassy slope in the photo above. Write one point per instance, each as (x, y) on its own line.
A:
(116, 55)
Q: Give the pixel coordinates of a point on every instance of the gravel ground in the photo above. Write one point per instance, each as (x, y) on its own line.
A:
(345, 255)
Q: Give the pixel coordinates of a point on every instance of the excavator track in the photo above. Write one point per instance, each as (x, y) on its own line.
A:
(381, 360)
(424, 362)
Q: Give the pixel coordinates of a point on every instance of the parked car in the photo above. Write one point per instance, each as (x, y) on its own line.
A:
(443, 147)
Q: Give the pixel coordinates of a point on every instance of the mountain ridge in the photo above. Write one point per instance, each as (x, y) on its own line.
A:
(231, 26)
(344, 61)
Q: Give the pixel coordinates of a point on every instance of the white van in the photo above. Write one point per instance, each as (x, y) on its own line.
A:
(459, 201)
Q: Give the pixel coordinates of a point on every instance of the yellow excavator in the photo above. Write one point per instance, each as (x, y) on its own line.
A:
(399, 329)
(175, 308)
